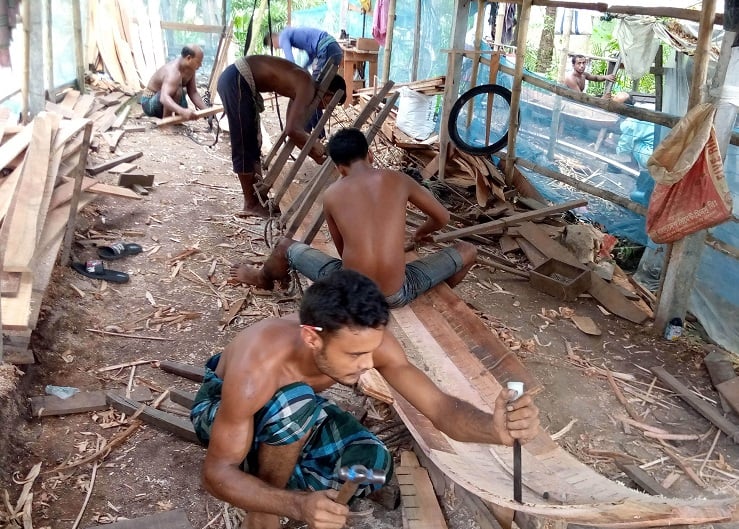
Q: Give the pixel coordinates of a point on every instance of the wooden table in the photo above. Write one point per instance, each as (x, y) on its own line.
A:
(354, 59)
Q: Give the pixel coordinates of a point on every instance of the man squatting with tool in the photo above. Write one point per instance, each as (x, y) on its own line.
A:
(170, 85)
(276, 447)
(365, 211)
(240, 87)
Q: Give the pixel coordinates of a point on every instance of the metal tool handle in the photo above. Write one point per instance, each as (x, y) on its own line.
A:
(347, 491)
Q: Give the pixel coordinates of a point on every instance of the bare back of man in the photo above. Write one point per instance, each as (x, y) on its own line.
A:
(365, 212)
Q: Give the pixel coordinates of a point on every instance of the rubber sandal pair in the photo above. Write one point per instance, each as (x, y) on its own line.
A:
(119, 250)
(96, 270)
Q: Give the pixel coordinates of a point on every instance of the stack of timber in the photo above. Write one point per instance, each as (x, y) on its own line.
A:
(41, 163)
(125, 38)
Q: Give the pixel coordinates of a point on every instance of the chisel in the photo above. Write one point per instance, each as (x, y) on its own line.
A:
(517, 491)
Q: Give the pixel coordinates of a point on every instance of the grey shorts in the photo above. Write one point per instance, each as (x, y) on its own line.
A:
(420, 275)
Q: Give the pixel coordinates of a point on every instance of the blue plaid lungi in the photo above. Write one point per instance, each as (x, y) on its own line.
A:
(336, 438)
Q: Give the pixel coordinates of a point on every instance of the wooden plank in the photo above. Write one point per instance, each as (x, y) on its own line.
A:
(184, 398)
(188, 371)
(122, 117)
(420, 507)
(21, 227)
(128, 157)
(123, 168)
(15, 146)
(203, 113)
(10, 282)
(720, 369)
(7, 190)
(508, 244)
(643, 480)
(63, 193)
(518, 218)
(112, 138)
(176, 519)
(84, 401)
(709, 412)
(56, 220)
(730, 391)
(168, 422)
(16, 310)
(107, 189)
(83, 105)
(70, 98)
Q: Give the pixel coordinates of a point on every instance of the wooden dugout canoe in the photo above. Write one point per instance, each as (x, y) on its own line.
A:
(438, 335)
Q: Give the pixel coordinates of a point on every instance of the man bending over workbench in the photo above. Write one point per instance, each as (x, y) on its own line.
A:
(365, 211)
(275, 447)
(240, 87)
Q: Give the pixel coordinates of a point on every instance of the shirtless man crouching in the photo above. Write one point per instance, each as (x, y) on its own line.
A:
(365, 211)
(275, 445)
(168, 87)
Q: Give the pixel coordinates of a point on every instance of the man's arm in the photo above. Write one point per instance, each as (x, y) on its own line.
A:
(423, 199)
(192, 92)
(459, 419)
(295, 121)
(286, 46)
(171, 85)
(599, 78)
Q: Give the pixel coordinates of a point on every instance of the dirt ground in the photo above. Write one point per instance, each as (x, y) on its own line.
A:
(192, 206)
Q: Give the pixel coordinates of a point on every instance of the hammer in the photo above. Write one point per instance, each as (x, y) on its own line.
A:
(357, 475)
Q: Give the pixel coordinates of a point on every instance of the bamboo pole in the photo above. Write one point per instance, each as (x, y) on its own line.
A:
(416, 41)
(451, 88)
(523, 31)
(583, 186)
(388, 42)
(476, 58)
(26, 82)
(603, 7)
(78, 48)
(683, 256)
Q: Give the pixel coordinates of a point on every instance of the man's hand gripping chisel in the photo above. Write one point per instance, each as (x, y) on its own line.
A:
(517, 489)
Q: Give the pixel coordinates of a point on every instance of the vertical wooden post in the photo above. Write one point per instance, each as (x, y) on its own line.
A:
(26, 83)
(48, 50)
(416, 41)
(74, 202)
(476, 59)
(79, 55)
(388, 42)
(451, 88)
(36, 87)
(523, 30)
(684, 255)
(289, 12)
(658, 79)
(561, 74)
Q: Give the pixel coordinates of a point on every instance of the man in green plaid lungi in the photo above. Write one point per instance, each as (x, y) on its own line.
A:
(275, 447)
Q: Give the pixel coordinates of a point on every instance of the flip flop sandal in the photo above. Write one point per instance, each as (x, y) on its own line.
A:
(95, 270)
(119, 250)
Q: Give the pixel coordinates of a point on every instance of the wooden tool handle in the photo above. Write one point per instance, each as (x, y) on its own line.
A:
(347, 491)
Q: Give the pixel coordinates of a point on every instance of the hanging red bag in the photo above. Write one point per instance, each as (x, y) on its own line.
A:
(690, 193)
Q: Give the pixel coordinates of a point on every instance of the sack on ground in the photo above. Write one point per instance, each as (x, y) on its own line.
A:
(698, 200)
(416, 113)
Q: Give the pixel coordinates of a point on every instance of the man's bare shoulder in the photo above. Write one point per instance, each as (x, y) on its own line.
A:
(278, 74)
(260, 344)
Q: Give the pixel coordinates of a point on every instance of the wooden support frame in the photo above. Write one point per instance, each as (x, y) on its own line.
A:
(74, 202)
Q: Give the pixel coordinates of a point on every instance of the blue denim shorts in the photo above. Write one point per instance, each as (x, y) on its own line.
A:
(420, 275)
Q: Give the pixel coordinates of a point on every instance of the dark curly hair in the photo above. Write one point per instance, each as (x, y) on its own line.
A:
(344, 299)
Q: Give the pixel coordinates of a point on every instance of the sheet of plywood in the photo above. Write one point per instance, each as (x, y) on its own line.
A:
(22, 225)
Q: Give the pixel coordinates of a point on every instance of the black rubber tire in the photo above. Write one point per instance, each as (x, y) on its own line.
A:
(492, 89)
